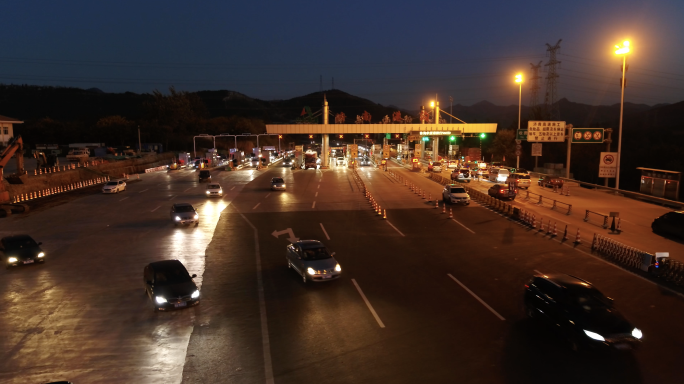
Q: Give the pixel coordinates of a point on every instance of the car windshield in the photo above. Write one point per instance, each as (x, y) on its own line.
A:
(173, 275)
(19, 243)
(213, 186)
(436, 164)
(277, 180)
(465, 172)
(590, 299)
(315, 253)
(457, 190)
(112, 183)
(185, 208)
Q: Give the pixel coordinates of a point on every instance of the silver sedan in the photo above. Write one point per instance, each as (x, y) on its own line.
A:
(312, 261)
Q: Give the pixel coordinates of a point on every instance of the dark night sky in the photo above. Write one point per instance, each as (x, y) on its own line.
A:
(390, 52)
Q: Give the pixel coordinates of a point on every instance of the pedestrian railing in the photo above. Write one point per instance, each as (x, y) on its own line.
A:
(548, 202)
(603, 217)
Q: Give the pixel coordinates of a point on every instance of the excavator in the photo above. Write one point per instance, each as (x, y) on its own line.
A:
(43, 161)
(14, 148)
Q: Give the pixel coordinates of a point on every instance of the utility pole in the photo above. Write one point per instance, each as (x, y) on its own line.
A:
(534, 92)
(139, 142)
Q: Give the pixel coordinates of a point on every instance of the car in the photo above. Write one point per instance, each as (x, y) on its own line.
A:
(255, 162)
(312, 261)
(21, 249)
(214, 189)
(520, 180)
(461, 175)
(522, 170)
(436, 166)
(114, 186)
(287, 161)
(452, 164)
(670, 224)
(502, 192)
(168, 285)
(579, 312)
(365, 161)
(184, 213)
(340, 160)
(277, 184)
(204, 175)
(498, 175)
(551, 181)
(455, 194)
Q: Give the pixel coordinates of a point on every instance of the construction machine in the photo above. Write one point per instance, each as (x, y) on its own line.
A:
(45, 161)
(14, 148)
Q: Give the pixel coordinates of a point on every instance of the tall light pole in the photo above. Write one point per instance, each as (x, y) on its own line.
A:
(624, 50)
(519, 80)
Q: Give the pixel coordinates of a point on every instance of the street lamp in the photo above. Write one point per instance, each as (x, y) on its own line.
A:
(621, 50)
(519, 80)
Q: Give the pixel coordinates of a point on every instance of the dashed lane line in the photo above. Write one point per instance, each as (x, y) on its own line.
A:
(477, 297)
(368, 304)
(324, 231)
(255, 207)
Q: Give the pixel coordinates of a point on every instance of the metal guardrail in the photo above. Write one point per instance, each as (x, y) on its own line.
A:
(553, 202)
(605, 217)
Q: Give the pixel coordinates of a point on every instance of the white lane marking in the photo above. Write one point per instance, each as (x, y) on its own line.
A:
(538, 272)
(188, 189)
(477, 297)
(457, 222)
(324, 231)
(124, 199)
(316, 194)
(144, 190)
(313, 205)
(395, 228)
(265, 197)
(155, 209)
(172, 196)
(318, 186)
(265, 340)
(368, 304)
(256, 206)
(232, 188)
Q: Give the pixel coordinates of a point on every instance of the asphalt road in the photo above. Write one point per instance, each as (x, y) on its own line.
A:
(423, 298)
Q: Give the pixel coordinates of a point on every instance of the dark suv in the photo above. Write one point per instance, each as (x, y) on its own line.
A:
(204, 175)
(551, 182)
(670, 224)
(503, 192)
(579, 312)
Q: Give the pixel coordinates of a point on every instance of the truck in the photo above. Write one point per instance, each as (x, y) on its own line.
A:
(80, 155)
(310, 158)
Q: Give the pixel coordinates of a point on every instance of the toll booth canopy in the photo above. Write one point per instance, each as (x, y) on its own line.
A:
(660, 183)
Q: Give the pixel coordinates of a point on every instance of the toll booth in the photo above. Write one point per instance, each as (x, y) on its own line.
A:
(660, 183)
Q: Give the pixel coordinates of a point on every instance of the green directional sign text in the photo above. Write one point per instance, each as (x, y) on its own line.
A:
(587, 135)
(521, 134)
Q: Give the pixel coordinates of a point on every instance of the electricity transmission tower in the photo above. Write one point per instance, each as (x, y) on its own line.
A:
(551, 101)
(535, 109)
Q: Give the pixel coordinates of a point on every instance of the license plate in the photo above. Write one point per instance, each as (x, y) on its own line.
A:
(29, 261)
(621, 346)
(326, 276)
(181, 304)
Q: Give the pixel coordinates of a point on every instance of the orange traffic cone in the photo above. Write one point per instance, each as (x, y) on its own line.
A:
(577, 238)
(444, 208)
(534, 221)
(423, 195)
(436, 204)
(618, 229)
(555, 233)
(384, 216)
(379, 210)
(451, 216)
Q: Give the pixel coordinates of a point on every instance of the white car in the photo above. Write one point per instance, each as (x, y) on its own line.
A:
(455, 194)
(214, 189)
(437, 167)
(452, 164)
(114, 186)
(340, 160)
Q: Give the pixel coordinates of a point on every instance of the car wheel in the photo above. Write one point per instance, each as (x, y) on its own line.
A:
(304, 276)
(529, 311)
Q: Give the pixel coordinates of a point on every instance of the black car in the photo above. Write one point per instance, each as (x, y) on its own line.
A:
(579, 312)
(670, 224)
(184, 213)
(21, 249)
(502, 192)
(551, 182)
(204, 175)
(169, 285)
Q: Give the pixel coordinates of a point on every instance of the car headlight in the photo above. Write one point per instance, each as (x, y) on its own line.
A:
(594, 335)
(208, 192)
(636, 332)
(177, 218)
(160, 300)
(338, 268)
(310, 271)
(195, 294)
(196, 217)
(12, 259)
(42, 254)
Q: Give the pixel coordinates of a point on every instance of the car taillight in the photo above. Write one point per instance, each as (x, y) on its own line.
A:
(503, 191)
(527, 286)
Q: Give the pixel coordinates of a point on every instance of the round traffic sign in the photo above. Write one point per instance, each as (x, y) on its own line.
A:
(517, 141)
(518, 152)
(518, 146)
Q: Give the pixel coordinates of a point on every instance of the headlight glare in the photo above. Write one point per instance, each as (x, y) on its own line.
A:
(42, 254)
(636, 332)
(160, 300)
(310, 271)
(195, 294)
(177, 218)
(196, 217)
(594, 335)
(208, 192)
(338, 268)
(12, 259)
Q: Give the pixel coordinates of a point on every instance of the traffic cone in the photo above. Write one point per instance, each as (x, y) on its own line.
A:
(534, 221)
(444, 208)
(436, 204)
(555, 233)
(618, 229)
(423, 195)
(379, 210)
(430, 197)
(451, 216)
(567, 191)
(384, 215)
(577, 238)
(565, 233)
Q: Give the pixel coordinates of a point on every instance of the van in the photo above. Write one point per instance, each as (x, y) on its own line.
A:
(521, 180)
(498, 175)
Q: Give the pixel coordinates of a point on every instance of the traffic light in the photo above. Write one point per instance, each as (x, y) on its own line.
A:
(452, 138)
(482, 135)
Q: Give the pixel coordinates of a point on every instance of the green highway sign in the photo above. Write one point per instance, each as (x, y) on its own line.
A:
(587, 135)
(521, 134)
